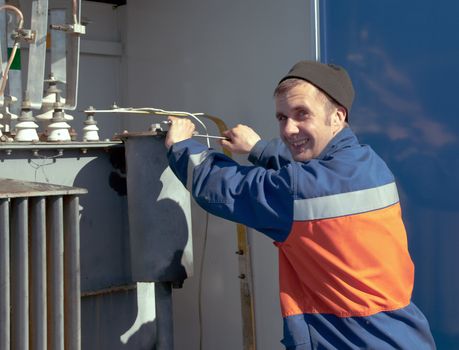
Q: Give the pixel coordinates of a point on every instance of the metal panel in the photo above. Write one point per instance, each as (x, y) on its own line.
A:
(58, 38)
(72, 307)
(73, 65)
(37, 260)
(14, 75)
(37, 53)
(4, 274)
(38, 301)
(110, 303)
(155, 195)
(164, 321)
(20, 274)
(55, 222)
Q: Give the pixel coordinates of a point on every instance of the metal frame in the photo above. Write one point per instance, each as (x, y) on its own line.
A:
(32, 216)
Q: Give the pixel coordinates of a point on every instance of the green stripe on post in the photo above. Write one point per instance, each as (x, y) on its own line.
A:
(16, 64)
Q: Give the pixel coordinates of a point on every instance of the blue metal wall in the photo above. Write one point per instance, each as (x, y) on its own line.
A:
(404, 59)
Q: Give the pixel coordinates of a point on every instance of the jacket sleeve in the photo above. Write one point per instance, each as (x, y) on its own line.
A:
(254, 196)
(270, 154)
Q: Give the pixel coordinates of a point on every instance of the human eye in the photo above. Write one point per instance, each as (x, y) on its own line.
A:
(302, 114)
(280, 117)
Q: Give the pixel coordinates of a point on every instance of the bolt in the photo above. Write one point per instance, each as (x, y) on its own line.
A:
(241, 276)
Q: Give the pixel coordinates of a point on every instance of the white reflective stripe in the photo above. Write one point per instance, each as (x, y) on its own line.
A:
(193, 161)
(345, 203)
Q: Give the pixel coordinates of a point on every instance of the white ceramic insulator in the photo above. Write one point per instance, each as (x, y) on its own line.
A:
(10, 115)
(50, 99)
(90, 133)
(48, 115)
(58, 131)
(68, 116)
(26, 131)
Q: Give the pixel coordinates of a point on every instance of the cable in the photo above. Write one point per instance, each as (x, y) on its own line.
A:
(46, 160)
(156, 111)
(15, 45)
(177, 114)
(201, 269)
(75, 11)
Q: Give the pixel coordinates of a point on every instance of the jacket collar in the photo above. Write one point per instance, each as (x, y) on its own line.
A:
(344, 138)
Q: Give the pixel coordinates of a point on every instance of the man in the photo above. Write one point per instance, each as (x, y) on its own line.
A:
(332, 208)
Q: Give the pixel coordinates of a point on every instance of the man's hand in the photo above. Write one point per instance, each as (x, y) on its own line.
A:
(241, 139)
(179, 130)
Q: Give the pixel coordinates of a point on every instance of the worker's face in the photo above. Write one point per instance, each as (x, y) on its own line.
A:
(307, 122)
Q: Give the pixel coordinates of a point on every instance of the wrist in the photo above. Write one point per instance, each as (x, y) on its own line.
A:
(256, 151)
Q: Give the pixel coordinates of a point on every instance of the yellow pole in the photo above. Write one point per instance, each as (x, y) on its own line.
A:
(245, 269)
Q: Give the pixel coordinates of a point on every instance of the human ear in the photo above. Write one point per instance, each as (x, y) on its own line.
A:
(339, 118)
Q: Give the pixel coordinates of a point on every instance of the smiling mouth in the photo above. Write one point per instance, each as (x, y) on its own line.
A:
(299, 143)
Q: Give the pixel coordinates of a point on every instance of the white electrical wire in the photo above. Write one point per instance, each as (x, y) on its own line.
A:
(174, 113)
(155, 111)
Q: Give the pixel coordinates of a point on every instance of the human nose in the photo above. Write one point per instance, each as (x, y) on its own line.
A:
(290, 127)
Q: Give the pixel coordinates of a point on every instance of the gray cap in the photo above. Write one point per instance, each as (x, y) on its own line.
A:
(330, 78)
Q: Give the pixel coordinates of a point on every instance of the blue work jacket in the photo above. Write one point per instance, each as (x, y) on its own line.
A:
(345, 273)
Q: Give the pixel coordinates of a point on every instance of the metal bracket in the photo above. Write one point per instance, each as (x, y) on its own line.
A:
(37, 53)
(24, 35)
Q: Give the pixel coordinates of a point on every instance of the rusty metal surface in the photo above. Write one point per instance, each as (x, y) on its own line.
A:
(10, 188)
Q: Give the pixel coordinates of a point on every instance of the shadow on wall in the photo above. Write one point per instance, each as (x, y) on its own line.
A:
(104, 239)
